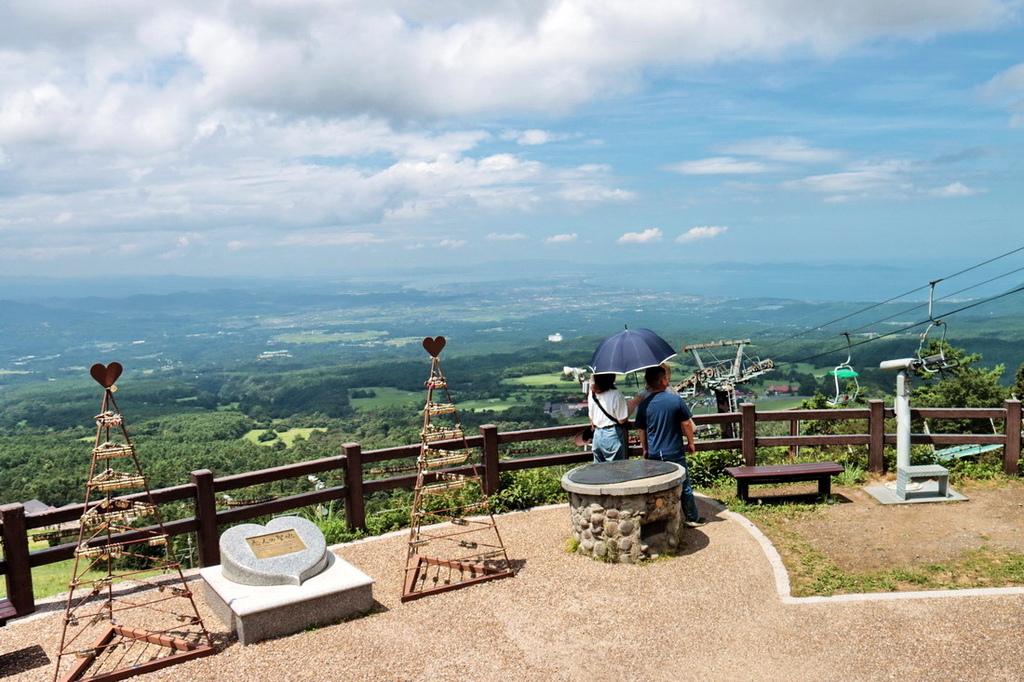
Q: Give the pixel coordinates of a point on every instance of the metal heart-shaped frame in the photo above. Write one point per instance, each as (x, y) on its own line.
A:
(434, 345)
(106, 375)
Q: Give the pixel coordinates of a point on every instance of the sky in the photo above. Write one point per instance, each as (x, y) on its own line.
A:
(305, 138)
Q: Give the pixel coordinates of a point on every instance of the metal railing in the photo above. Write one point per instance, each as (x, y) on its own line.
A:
(203, 488)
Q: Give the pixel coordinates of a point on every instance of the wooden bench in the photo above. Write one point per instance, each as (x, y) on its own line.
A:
(822, 472)
(6, 611)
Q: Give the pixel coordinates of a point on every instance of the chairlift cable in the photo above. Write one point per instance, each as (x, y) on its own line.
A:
(910, 326)
(922, 305)
(905, 310)
(907, 293)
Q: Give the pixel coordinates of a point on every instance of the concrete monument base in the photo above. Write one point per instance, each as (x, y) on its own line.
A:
(255, 612)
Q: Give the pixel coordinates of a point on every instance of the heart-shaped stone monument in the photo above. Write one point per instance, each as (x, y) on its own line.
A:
(286, 551)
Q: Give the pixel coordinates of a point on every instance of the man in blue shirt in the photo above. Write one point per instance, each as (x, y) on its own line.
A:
(663, 419)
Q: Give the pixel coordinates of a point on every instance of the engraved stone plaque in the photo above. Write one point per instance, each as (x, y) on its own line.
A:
(275, 544)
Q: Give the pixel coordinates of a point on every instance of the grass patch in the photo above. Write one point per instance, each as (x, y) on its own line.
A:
(778, 404)
(287, 437)
(333, 337)
(385, 396)
(51, 579)
(812, 573)
(547, 380)
(494, 404)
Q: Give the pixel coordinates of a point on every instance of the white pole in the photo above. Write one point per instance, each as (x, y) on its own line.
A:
(902, 409)
(901, 406)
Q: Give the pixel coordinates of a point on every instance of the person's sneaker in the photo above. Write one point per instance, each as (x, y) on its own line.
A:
(700, 521)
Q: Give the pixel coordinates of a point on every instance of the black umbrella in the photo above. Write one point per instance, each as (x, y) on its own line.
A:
(629, 351)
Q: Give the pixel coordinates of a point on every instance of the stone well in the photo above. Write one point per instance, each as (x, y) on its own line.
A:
(625, 511)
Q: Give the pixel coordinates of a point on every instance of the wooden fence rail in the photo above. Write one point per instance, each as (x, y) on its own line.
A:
(203, 488)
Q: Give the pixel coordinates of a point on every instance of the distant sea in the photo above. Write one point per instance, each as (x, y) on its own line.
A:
(866, 282)
(788, 281)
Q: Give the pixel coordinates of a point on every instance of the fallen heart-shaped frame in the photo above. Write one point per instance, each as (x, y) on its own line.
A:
(106, 375)
(434, 345)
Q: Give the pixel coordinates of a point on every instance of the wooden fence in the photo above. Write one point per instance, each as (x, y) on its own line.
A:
(203, 488)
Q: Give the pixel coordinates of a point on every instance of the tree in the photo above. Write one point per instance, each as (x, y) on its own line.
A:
(963, 385)
(1017, 390)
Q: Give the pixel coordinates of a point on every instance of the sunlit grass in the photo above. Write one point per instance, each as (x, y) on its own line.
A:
(386, 396)
(53, 578)
(547, 380)
(334, 337)
(812, 573)
(287, 437)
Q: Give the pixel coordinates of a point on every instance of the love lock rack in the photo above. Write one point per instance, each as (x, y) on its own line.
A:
(453, 539)
(107, 538)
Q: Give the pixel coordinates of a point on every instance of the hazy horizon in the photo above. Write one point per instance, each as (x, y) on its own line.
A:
(800, 281)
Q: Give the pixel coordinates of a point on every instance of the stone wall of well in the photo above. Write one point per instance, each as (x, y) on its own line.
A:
(626, 528)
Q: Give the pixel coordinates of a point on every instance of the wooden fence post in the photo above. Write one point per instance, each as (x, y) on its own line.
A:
(876, 437)
(794, 430)
(1011, 451)
(206, 517)
(19, 573)
(355, 506)
(489, 432)
(748, 430)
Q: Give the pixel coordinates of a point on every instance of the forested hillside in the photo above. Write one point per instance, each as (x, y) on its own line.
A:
(240, 380)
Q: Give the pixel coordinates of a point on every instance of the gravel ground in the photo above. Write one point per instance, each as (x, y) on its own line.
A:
(713, 612)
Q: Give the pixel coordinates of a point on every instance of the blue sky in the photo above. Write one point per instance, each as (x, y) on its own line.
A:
(308, 138)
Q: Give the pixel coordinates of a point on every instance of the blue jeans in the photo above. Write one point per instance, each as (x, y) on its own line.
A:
(609, 444)
(688, 501)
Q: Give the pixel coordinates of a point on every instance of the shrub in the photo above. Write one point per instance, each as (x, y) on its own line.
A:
(707, 468)
(387, 521)
(529, 488)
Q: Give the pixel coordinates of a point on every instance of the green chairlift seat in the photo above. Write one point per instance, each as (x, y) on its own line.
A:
(961, 451)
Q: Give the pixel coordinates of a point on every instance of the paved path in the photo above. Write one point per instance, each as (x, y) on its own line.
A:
(713, 613)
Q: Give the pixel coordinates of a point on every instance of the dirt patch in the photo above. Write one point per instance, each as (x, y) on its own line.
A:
(859, 534)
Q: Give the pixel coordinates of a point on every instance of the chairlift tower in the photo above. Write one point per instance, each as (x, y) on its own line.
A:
(453, 539)
(907, 475)
(722, 376)
(124, 619)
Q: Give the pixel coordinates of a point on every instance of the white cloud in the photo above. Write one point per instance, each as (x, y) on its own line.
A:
(451, 243)
(561, 238)
(533, 137)
(719, 165)
(340, 123)
(330, 239)
(506, 237)
(186, 245)
(1007, 87)
(697, 233)
(590, 183)
(648, 236)
(956, 189)
(843, 183)
(595, 193)
(1008, 83)
(786, 149)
